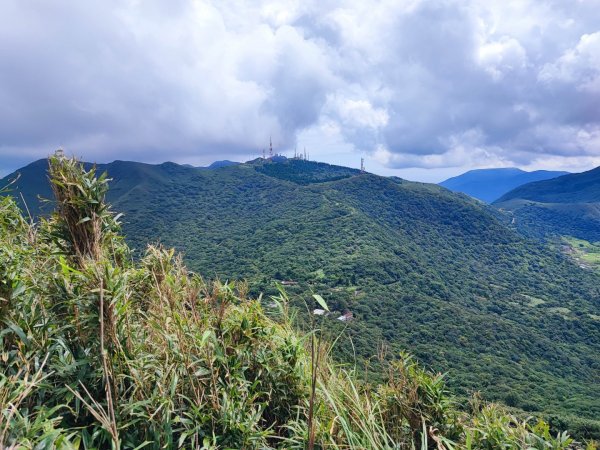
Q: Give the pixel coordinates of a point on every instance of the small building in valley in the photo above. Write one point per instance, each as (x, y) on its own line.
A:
(346, 317)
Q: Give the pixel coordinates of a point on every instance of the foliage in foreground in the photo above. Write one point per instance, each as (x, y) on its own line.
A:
(98, 351)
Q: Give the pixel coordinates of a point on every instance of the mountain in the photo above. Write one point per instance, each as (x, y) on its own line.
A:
(568, 205)
(490, 184)
(32, 186)
(224, 163)
(214, 165)
(170, 360)
(573, 188)
(419, 268)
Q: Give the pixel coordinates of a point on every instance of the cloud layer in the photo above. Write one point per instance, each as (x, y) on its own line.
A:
(424, 84)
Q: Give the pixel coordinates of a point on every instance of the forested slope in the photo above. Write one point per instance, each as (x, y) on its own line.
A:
(418, 266)
(564, 206)
(103, 351)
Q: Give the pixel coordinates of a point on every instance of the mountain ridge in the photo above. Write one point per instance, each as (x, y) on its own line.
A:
(564, 206)
(490, 184)
(581, 187)
(418, 266)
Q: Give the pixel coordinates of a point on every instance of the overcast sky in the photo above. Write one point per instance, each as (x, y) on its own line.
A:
(421, 89)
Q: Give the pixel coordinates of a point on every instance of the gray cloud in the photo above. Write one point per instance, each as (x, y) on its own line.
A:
(412, 84)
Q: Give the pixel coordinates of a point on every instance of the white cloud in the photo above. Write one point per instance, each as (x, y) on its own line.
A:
(360, 113)
(412, 83)
(579, 66)
(463, 149)
(502, 56)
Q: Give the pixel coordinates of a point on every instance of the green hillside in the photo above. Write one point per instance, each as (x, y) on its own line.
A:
(418, 266)
(564, 206)
(101, 351)
(573, 188)
(586, 254)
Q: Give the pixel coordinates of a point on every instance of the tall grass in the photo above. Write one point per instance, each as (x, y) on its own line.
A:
(99, 351)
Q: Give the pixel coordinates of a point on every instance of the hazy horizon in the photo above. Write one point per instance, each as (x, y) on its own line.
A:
(379, 171)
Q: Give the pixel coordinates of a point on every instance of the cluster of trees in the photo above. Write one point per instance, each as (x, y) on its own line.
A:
(545, 221)
(304, 172)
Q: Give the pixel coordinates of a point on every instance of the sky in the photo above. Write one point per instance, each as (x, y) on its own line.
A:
(422, 89)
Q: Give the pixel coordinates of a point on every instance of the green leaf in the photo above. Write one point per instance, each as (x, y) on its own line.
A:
(18, 331)
(201, 372)
(18, 290)
(321, 302)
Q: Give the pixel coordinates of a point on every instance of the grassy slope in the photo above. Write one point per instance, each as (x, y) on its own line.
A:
(587, 254)
(420, 267)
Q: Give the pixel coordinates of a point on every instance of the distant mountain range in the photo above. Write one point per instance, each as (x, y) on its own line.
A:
(33, 185)
(567, 205)
(490, 184)
(224, 163)
(214, 165)
(419, 266)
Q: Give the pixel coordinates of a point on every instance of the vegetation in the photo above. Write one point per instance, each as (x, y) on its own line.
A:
(572, 188)
(304, 172)
(99, 351)
(564, 206)
(418, 266)
(586, 254)
(548, 221)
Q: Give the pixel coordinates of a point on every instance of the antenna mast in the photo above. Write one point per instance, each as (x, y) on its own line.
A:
(270, 147)
(362, 165)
